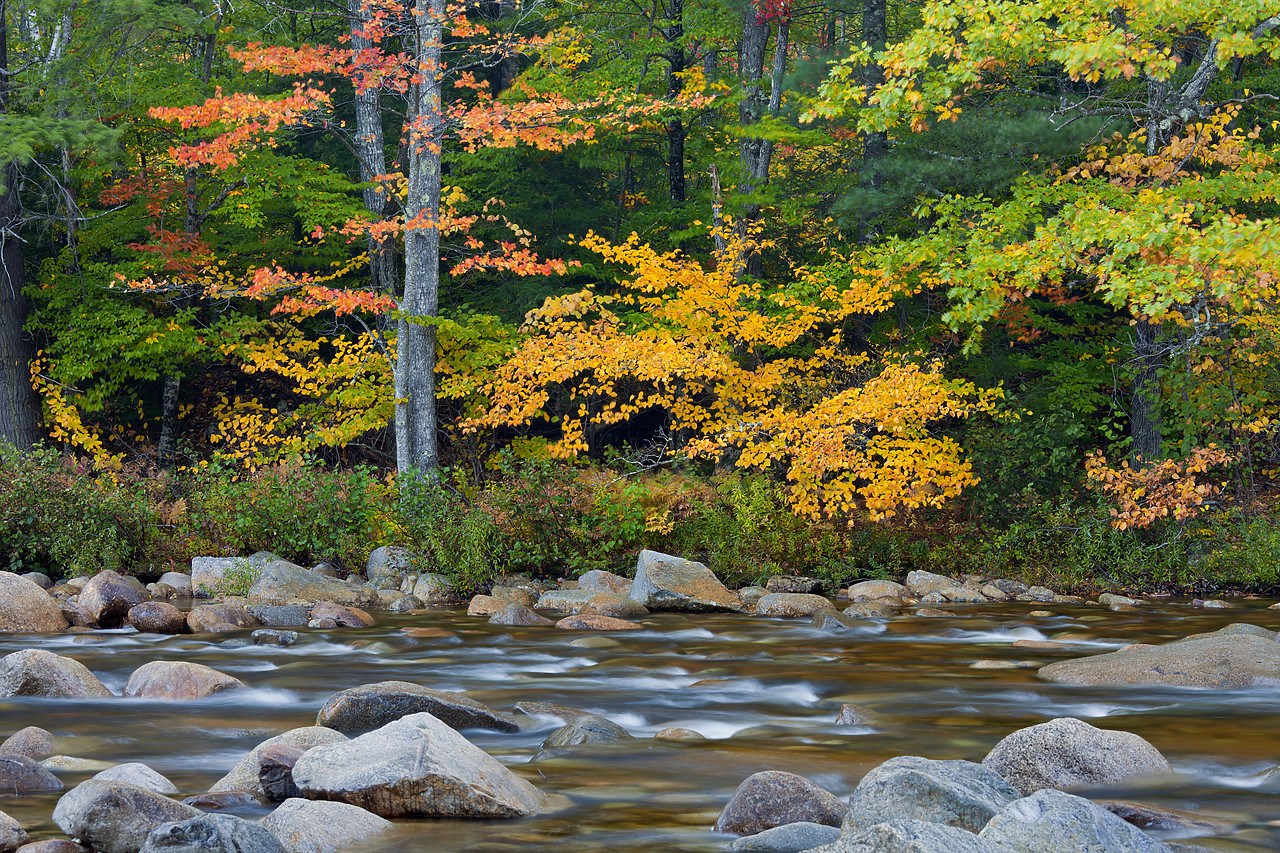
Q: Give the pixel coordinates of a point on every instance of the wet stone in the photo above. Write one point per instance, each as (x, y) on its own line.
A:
(272, 637)
(587, 728)
(517, 615)
(371, 706)
(31, 742)
(774, 798)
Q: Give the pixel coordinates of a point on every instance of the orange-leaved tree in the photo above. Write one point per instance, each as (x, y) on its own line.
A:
(758, 373)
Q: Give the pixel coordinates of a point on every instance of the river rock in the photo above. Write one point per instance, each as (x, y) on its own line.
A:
(913, 836)
(775, 798)
(678, 734)
(956, 793)
(307, 826)
(178, 681)
(1145, 816)
(923, 583)
(273, 637)
(517, 616)
(617, 606)
(387, 566)
(279, 615)
(275, 770)
(31, 742)
(664, 582)
(868, 610)
(215, 801)
(565, 600)
(749, 595)
(158, 617)
(596, 622)
(791, 604)
(244, 776)
(54, 845)
(602, 581)
(795, 584)
(70, 609)
(586, 728)
(854, 715)
(36, 672)
(26, 608)
(872, 590)
(788, 838)
(282, 582)
(347, 617)
(829, 620)
(72, 764)
(211, 833)
(1221, 660)
(1068, 753)
(106, 599)
(370, 706)
(12, 835)
(484, 605)
(962, 595)
(514, 595)
(415, 766)
(1051, 821)
(138, 774)
(550, 709)
(215, 618)
(177, 581)
(207, 572)
(22, 775)
(114, 817)
(1109, 598)
(41, 580)
(435, 590)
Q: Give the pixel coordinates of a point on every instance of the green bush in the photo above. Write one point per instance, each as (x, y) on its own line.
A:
(447, 534)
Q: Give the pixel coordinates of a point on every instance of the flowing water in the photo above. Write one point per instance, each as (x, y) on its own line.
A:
(765, 692)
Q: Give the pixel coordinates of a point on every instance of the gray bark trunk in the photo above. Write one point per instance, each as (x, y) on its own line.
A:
(675, 127)
(371, 149)
(19, 409)
(1146, 442)
(415, 374)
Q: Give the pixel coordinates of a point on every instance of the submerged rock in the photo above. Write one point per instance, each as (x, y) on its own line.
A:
(415, 766)
(114, 817)
(664, 582)
(586, 728)
(956, 793)
(306, 826)
(36, 672)
(596, 622)
(370, 706)
(1068, 753)
(1051, 821)
(774, 798)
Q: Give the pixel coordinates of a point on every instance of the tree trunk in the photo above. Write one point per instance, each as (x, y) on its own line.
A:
(167, 446)
(415, 374)
(19, 409)
(1146, 443)
(371, 149)
(675, 126)
(875, 32)
(757, 154)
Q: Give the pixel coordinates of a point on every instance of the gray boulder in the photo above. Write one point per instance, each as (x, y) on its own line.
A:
(306, 826)
(41, 580)
(272, 637)
(107, 598)
(12, 835)
(213, 618)
(36, 672)
(791, 604)
(1223, 659)
(387, 566)
(138, 774)
(114, 817)
(26, 608)
(876, 589)
(244, 776)
(775, 798)
(415, 766)
(370, 706)
(157, 617)
(435, 590)
(605, 582)
(1068, 753)
(1055, 822)
(788, 838)
(956, 793)
(923, 583)
(211, 833)
(31, 742)
(664, 582)
(22, 775)
(279, 615)
(517, 615)
(565, 600)
(282, 582)
(912, 836)
(586, 728)
(180, 583)
(178, 681)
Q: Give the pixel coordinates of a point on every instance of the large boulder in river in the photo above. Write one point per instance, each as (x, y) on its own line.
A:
(874, 589)
(519, 616)
(36, 672)
(281, 582)
(114, 817)
(1068, 753)
(244, 776)
(565, 600)
(212, 618)
(664, 582)
(415, 766)
(1232, 657)
(957, 793)
(211, 833)
(370, 706)
(178, 680)
(586, 728)
(316, 826)
(774, 798)
(791, 604)
(1050, 821)
(22, 775)
(602, 581)
(914, 836)
(139, 774)
(32, 742)
(158, 617)
(107, 598)
(26, 608)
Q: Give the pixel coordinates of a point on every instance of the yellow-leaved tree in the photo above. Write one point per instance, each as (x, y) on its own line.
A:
(756, 373)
